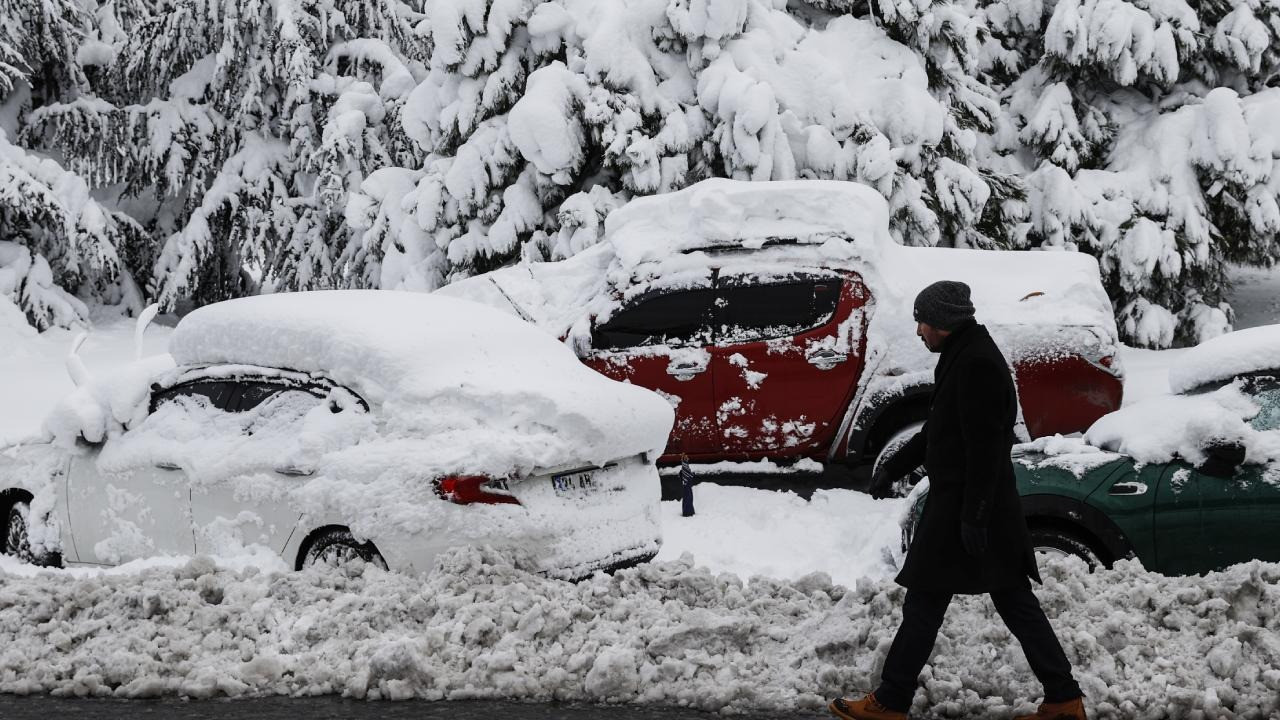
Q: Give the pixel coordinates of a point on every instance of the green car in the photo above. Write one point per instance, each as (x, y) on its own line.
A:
(1186, 483)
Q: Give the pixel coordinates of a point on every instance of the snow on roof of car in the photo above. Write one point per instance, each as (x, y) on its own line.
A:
(1224, 357)
(719, 212)
(495, 388)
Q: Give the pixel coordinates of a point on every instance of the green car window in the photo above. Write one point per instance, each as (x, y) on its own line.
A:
(1268, 402)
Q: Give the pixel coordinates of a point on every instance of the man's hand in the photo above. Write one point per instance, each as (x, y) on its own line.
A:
(974, 538)
(881, 486)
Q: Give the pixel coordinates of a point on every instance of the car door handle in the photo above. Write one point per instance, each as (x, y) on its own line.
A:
(295, 471)
(686, 370)
(1128, 488)
(168, 466)
(825, 358)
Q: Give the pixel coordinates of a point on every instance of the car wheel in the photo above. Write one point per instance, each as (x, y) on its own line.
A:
(339, 547)
(1061, 543)
(17, 543)
(891, 448)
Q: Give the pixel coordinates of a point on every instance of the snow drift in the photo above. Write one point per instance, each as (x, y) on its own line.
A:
(1144, 646)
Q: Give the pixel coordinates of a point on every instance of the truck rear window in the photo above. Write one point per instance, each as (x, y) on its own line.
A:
(745, 313)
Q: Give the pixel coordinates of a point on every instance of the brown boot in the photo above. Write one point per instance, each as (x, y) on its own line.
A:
(868, 708)
(1069, 710)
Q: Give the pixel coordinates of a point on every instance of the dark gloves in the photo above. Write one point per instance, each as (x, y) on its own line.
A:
(974, 538)
(881, 486)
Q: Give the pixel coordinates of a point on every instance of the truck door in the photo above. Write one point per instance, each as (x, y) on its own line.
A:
(787, 355)
(659, 341)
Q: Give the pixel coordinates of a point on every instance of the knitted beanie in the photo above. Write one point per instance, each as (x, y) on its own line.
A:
(944, 305)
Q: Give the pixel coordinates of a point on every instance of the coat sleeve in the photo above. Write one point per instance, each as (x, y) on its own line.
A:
(984, 386)
(909, 457)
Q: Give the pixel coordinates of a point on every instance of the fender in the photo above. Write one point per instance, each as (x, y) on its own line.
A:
(1069, 511)
(854, 437)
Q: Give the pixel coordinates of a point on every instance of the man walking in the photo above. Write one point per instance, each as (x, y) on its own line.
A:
(972, 538)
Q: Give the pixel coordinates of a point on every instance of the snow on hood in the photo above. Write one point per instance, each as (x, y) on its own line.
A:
(1224, 357)
(1180, 427)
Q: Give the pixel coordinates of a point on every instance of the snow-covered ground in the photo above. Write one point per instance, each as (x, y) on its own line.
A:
(1143, 645)
(761, 601)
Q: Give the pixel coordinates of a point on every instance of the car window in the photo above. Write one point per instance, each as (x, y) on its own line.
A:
(253, 394)
(214, 393)
(1268, 402)
(679, 318)
(745, 312)
(280, 409)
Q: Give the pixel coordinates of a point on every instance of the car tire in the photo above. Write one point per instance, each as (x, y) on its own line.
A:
(336, 547)
(1058, 542)
(901, 488)
(17, 542)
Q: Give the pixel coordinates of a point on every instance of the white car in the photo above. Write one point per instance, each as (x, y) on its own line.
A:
(328, 425)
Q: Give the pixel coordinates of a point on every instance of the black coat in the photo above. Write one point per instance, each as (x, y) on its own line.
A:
(965, 447)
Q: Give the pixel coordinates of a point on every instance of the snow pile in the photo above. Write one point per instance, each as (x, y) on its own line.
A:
(1071, 454)
(1143, 645)
(843, 533)
(493, 394)
(454, 388)
(734, 214)
(1222, 358)
(1164, 428)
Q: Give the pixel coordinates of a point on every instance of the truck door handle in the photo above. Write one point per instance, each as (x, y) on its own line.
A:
(1128, 488)
(295, 471)
(686, 370)
(168, 466)
(825, 358)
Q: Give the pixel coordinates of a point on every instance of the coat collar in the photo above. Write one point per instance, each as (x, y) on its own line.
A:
(954, 345)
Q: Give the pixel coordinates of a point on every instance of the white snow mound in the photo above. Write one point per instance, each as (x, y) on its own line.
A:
(411, 352)
(1142, 645)
(1224, 357)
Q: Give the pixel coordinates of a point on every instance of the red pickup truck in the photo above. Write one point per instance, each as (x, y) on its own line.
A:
(776, 318)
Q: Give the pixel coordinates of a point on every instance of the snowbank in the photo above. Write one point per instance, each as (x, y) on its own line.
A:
(1143, 645)
(1226, 356)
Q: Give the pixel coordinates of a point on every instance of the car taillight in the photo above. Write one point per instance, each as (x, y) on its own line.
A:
(1109, 363)
(468, 489)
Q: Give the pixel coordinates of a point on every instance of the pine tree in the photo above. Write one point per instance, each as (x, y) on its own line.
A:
(235, 129)
(1133, 155)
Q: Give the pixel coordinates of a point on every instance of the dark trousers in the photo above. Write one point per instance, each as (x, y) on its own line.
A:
(922, 614)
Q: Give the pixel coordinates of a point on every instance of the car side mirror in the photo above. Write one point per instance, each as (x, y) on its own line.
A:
(1222, 459)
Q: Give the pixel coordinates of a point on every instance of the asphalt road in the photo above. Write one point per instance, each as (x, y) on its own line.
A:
(332, 708)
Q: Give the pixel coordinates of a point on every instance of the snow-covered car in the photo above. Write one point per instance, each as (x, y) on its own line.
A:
(776, 318)
(1187, 483)
(321, 426)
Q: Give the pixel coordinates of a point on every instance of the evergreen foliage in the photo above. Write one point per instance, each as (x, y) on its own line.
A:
(187, 151)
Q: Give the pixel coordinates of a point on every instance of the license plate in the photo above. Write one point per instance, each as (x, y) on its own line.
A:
(574, 484)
